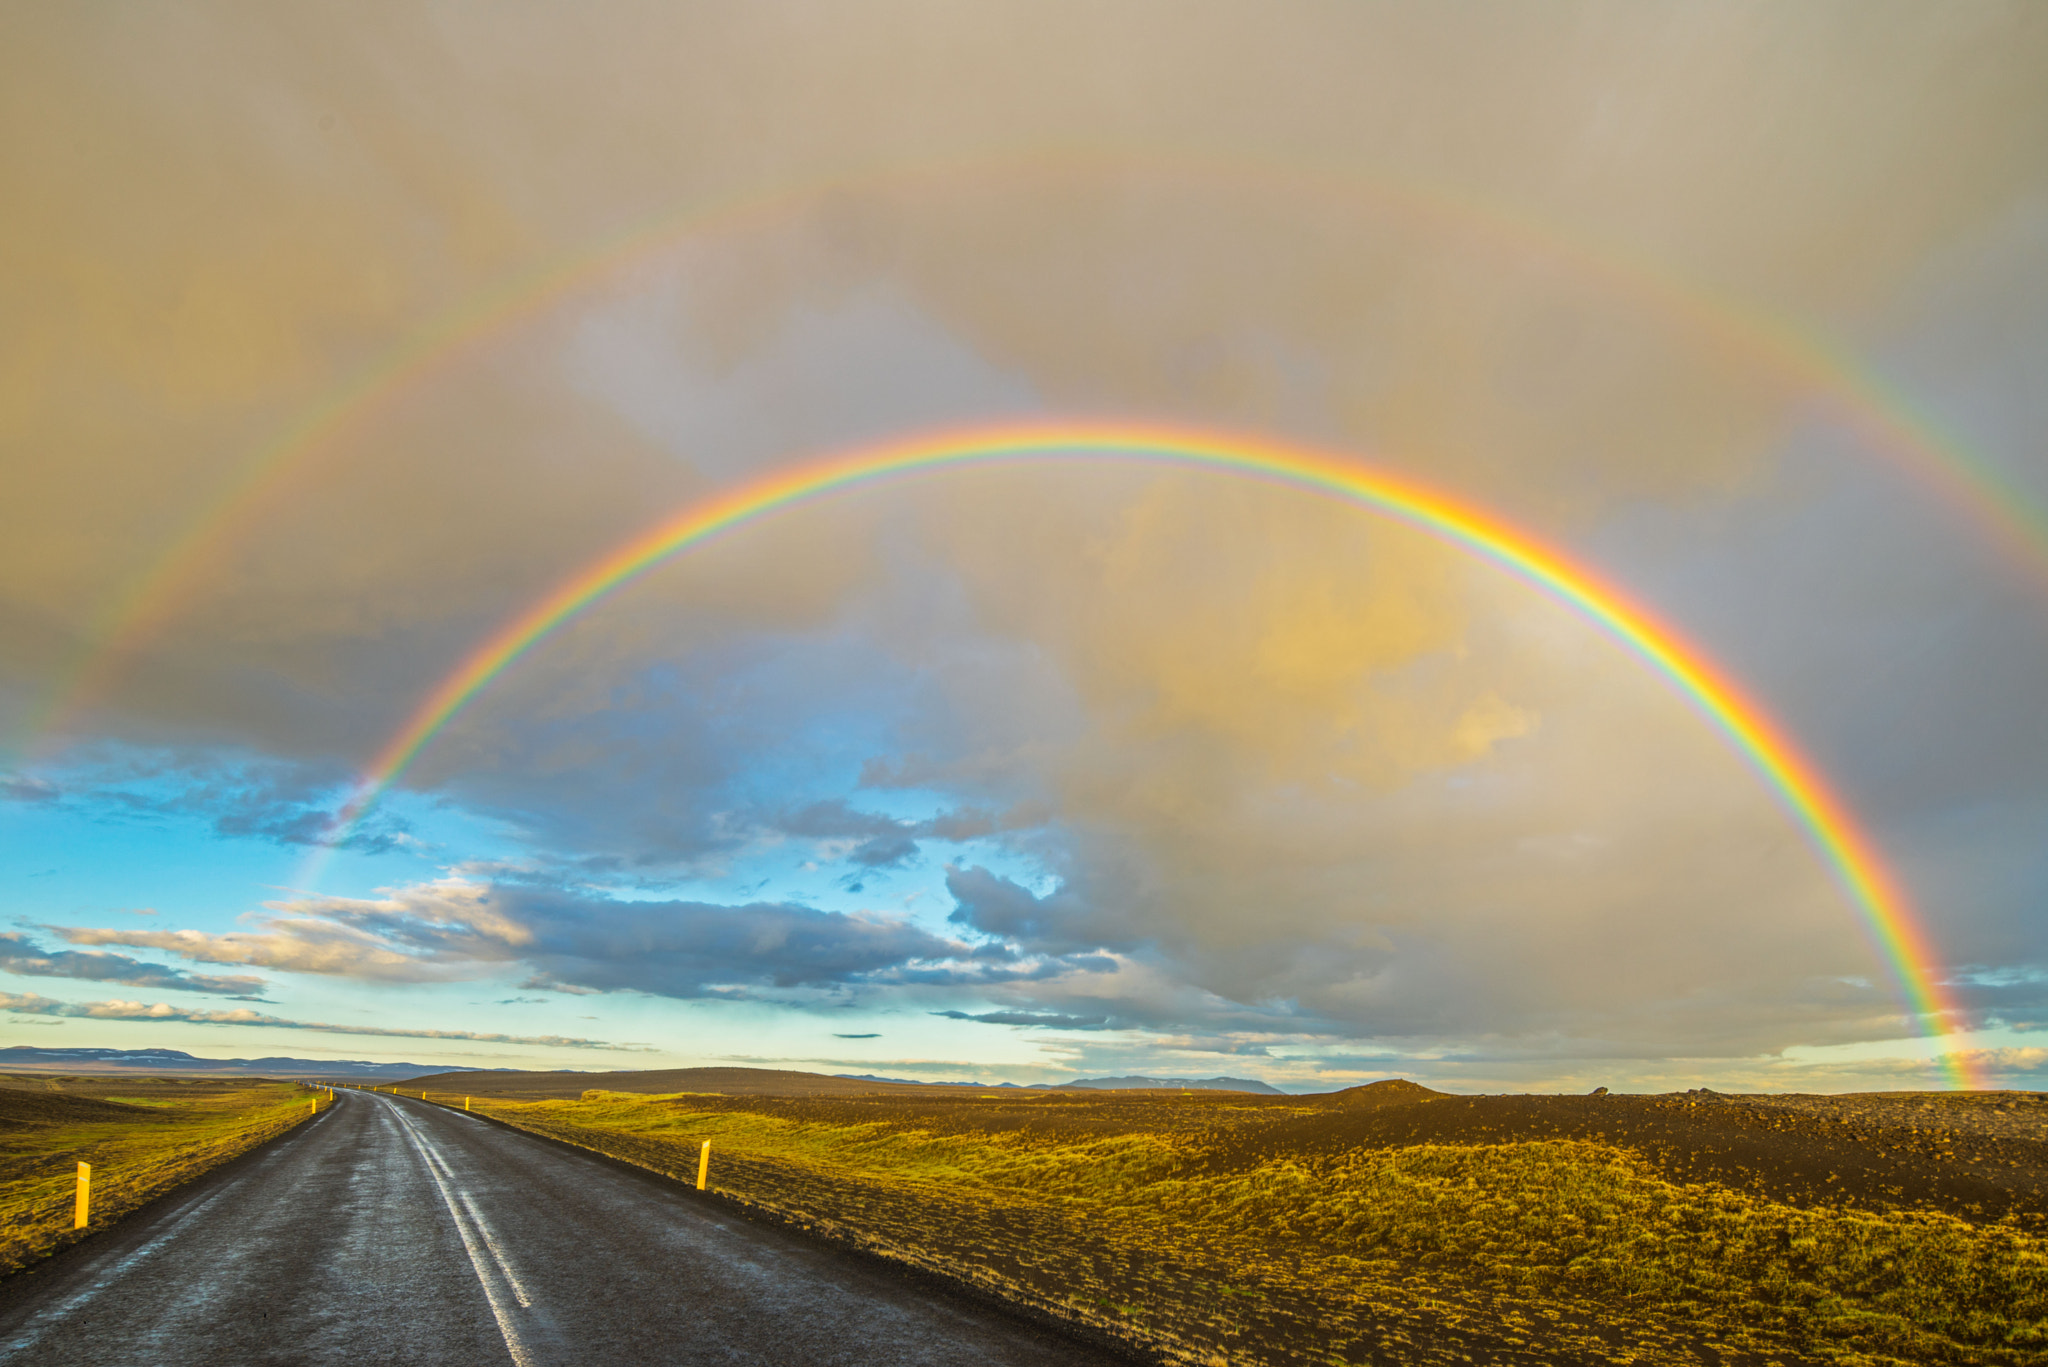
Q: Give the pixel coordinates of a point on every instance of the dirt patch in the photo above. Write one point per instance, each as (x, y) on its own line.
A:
(1922, 1150)
(21, 1108)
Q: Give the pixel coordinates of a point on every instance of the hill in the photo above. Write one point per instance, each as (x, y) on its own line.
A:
(28, 1058)
(511, 1085)
(1206, 1084)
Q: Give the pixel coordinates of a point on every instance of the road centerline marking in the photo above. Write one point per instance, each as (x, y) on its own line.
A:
(493, 1295)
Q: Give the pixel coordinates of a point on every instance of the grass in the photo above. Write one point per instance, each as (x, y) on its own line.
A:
(141, 1138)
(1533, 1249)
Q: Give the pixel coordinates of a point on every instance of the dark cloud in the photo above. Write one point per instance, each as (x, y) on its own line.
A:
(19, 954)
(578, 943)
(867, 1036)
(884, 852)
(835, 819)
(28, 788)
(696, 949)
(1059, 923)
(1049, 1020)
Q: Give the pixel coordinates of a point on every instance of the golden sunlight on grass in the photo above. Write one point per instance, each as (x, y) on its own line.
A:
(142, 1137)
(1213, 1230)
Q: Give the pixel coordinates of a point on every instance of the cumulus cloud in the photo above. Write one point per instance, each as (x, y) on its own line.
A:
(1061, 922)
(454, 928)
(19, 954)
(29, 1004)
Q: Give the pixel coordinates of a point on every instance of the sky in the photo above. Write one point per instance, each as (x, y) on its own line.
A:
(334, 338)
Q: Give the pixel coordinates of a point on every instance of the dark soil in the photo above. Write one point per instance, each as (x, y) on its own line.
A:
(1982, 1156)
(19, 1109)
(1837, 1150)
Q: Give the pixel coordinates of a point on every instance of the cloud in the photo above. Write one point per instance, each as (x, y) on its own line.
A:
(1250, 758)
(18, 954)
(866, 1036)
(884, 852)
(1047, 1019)
(835, 819)
(454, 928)
(28, 788)
(292, 945)
(29, 1004)
(1061, 922)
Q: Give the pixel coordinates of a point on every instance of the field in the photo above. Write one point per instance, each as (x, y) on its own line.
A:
(1390, 1223)
(142, 1135)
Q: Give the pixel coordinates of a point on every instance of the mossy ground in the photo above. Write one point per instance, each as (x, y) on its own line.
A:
(143, 1137)
(1119, 1213)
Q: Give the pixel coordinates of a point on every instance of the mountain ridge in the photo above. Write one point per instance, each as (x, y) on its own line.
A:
(31, 1058)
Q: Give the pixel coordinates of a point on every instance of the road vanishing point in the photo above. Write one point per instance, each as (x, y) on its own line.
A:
(391, 1231)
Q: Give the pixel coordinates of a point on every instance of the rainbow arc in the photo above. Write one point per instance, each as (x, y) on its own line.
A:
(1847, 851)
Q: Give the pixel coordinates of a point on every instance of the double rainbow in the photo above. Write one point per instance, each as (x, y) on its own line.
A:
(1845, 849)
(2002, 514)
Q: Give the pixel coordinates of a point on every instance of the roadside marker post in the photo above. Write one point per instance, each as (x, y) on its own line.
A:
(465, 1103)
(703, 1165)
(79, 1212)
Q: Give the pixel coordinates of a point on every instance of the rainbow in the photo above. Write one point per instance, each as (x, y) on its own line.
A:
(1884, 421)
(1847, 852)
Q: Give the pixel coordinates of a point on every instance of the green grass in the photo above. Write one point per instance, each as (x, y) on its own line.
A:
(167, 1139)
(1584, 1229)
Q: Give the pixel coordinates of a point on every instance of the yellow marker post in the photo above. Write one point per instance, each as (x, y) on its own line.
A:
(312, 1105)
(703, 1165)
(465, 1103)
(79, 1212)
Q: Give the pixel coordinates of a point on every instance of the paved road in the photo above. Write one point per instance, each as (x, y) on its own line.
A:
(390, 1231)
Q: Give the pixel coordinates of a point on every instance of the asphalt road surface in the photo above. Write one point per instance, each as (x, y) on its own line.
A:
(391, 1231)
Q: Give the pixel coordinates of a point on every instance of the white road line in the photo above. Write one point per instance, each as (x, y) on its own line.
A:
(439, 1160)
(483, 1228)
(499, 1310)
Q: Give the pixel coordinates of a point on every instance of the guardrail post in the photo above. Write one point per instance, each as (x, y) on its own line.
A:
(703, 1165)
(84, 1206)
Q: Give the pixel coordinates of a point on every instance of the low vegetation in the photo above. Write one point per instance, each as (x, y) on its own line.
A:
(1220, 1229)
(142, 1136)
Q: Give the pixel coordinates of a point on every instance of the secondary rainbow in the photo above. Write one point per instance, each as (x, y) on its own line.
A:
(1850, 856)
(1887, 423)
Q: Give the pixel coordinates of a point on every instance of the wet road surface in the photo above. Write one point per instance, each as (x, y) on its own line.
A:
(388, 1231)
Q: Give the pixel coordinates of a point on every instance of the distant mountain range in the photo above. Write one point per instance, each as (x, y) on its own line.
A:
(1206, 1084)
(1201, 1084)
(27, 1058)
